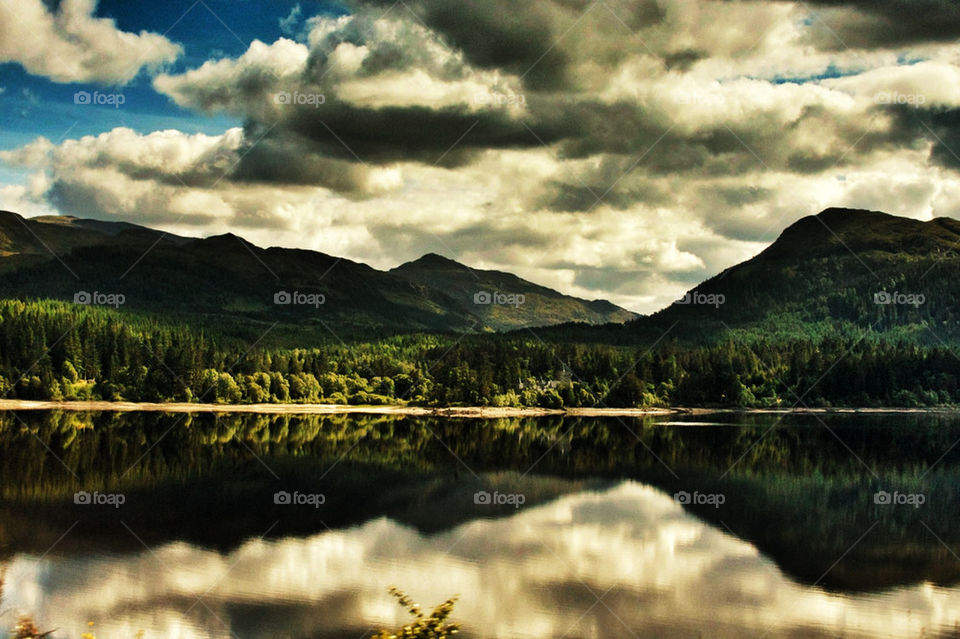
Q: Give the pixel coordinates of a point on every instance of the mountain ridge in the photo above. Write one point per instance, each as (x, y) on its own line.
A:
(226, 275)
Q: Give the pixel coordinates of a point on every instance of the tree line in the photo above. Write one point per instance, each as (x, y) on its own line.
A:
(55, 350)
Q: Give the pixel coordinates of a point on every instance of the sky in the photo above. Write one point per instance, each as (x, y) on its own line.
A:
(617, 149)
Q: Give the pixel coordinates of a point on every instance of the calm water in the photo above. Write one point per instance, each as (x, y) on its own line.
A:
(728, 526)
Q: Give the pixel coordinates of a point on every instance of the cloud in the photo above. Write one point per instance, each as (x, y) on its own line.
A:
(239, 85)
(616, 149)
(72, 45)
(841, 24)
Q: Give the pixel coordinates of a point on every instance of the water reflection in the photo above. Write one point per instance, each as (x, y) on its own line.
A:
(621, 562)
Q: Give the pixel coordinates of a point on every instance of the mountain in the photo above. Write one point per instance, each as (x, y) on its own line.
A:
(864, 268)
(503, 300)
(225, 277)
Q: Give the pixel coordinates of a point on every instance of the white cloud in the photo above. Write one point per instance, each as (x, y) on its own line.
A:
(237, 85)
(72, 45)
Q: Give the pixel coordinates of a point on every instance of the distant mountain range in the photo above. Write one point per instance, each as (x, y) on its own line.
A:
(226, 277)
(864, 268)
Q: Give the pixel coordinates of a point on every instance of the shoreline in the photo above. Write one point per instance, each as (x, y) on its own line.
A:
(480, 412)
(484, 412)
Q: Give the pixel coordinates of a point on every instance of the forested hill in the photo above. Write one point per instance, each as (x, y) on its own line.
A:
(226, 279)
(866, 269)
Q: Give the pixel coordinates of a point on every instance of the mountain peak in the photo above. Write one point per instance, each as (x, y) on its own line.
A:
(226, 240)
(432, 261)
(845, 230)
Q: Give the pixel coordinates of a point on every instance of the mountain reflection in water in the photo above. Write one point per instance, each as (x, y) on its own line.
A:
(627, 561)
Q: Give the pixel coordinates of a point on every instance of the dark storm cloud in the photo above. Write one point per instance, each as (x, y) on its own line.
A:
(884, 23)
(683, 60)
(608, 184)
(421, 134)
(940, 127)
(575, 198)
(946, 148)
(501, 34)
(286, 159)
(522, 38)
(740, 195)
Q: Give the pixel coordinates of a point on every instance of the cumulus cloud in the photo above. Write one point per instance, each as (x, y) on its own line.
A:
(236, 85)
(616, 149)
(71, 45)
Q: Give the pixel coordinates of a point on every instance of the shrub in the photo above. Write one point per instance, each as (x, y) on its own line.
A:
(423, 627)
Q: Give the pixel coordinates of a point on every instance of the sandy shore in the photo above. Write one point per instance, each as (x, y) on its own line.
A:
(485, 412)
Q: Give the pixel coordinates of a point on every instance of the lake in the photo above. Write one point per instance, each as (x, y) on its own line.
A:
(250, 526)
